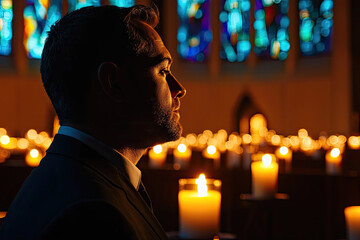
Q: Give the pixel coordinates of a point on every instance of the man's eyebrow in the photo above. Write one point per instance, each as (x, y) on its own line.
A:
(159, 59)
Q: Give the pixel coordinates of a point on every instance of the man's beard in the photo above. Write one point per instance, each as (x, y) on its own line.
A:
(169, 128)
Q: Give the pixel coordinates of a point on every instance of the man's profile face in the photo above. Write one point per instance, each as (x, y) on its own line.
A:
(157, 92)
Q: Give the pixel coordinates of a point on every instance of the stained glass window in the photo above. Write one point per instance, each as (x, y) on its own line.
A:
(122, 3)
(77, 4)
(235, 38)
(316, 26)
(271, 29)
(6, 16)
(194, 35)
(39, 15)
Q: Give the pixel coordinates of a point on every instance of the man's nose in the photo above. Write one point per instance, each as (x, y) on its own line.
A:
(177, 90)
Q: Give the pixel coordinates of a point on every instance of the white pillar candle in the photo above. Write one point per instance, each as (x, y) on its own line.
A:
(157, 156)
(333, 161)
(199, 207)
(264, 177)
(182, 156)
(352, 217)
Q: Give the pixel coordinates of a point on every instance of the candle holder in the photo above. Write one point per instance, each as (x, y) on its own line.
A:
(199, 208)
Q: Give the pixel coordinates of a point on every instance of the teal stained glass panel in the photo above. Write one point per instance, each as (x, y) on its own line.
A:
(122, 3)
(316, 26)
(39, 15)
(77, 4)
(6, 16)
(271, 29)
(194, 35)
(235, 38)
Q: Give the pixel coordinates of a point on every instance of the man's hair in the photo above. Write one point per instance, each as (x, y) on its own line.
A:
(79, 42)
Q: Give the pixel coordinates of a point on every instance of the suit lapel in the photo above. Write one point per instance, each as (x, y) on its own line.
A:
(74, 149)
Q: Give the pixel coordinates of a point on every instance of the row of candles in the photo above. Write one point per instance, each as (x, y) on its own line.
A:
(200, 199)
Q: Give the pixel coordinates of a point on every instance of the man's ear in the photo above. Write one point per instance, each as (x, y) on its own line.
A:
(109, 79)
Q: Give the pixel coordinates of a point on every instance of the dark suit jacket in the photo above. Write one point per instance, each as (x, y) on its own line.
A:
(77, 194)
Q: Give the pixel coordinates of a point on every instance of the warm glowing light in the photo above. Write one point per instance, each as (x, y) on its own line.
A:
(31, 134)
(191, 139)
(47, 142)
(5, 139)
(354, 142)
(211, 149)
(202, 187)
(2, 131)
(181, 148)
(275, 140)
(334, 140)
(23, 143)
(33, 158)
(208, 134)
(246, 138)
(39, 139)
(284, 150)
(335, 152)
(302, 133)
(2, 214)
(158, 149)
(266, 160)
(257, 122)
(34, 153)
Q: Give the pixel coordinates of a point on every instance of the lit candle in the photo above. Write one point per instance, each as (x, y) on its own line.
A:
(212, 153)
(284, 153)
(33, 158)
(352, 218)
(182, 155)
(157, 156)
(199, 207)
(333, 161)
(354, 142)
(8, 142)
(264, 177)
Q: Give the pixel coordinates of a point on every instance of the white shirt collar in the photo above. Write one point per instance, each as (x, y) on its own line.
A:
(133, 172)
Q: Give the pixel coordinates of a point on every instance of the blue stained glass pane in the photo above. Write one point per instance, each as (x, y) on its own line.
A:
(77, 4)
(272, 29)
(316, 26)
(39, 15)
(6, 16)
(122, 3)
(235, 38)
(194, 35)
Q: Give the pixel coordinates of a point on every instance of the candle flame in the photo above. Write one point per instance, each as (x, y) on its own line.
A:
(211, 149)
(202, 188)
(284, 150)
(181, 148)
(157, 149)
(34, 153)
(5, 139)
(335, 152)
(266, 160)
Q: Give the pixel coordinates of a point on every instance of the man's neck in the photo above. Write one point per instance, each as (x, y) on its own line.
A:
(133, 154)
